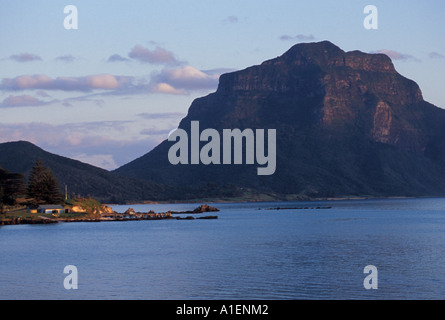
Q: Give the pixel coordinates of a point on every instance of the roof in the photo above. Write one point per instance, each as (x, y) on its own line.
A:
(51, 207)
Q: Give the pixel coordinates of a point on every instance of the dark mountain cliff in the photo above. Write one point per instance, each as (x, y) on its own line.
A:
(347, 123)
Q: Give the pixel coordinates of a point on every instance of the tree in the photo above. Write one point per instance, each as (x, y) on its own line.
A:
(2, 208)
(12, 186)
(43, 186)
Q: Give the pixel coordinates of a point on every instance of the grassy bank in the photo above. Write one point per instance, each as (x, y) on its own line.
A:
(91, 209)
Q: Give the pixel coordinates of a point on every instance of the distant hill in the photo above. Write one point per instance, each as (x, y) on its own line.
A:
(347, 124)
(80, 178)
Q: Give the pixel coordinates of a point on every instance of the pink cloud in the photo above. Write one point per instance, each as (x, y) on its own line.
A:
(103, 81)
(166, 88)
(25, 57)
(21, 101)
(156, 56)
(177, 80)
(395, 55)
(43, 82)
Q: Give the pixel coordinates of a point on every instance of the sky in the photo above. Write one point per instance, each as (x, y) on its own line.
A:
(112, 89)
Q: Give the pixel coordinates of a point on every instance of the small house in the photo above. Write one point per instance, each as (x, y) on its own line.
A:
(52, 208)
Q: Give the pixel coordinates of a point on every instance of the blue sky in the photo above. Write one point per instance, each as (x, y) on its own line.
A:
(113, 89)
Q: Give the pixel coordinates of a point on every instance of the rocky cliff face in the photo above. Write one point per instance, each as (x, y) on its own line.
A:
(345, 88)
(347, 123)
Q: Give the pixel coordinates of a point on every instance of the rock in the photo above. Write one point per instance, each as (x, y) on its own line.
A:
(205, 208)
(186, 218)
(130, 211)
(347, 123)
(107, 209)
(78, 209)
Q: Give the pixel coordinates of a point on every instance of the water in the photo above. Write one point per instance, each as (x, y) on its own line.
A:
(245, 254)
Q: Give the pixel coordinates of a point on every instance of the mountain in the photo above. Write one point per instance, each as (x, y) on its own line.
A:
(347, 123)
(80, 178)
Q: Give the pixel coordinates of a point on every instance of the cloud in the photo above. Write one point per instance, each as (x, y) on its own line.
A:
(298, 37)
(161, 115)
(183, 79)
(218, 71)
(71, 135)
(166, 88)
(84, 84)
(21, 101)
(231, 19)
(42, 94)
(117, 58)
(154, 132)
(68, 58)
(25, 57)
(171, 80)
(97, 143)
(41, 134)
(435, 55)
(395, 55)
(88, 98)
(103, 81)
(104, 161)
(156, 56)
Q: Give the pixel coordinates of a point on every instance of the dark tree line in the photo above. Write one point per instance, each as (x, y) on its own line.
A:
(42, 187)
(12, 186)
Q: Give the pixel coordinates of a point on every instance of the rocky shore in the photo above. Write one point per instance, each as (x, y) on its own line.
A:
(109, 215)
(14, 221)
(201, 209)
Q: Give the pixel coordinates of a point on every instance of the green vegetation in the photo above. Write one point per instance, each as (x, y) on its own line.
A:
(43, 186)
(19, 201)
(17, 212)
(82, 180)
(90, 205)
(12, 187)
(91, 209)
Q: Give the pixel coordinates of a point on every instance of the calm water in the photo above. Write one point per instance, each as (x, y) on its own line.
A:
(246, 254)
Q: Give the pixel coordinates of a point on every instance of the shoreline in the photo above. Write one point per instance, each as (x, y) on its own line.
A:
(129, 215)
(137, 216)
(345, 198)
(20, 221)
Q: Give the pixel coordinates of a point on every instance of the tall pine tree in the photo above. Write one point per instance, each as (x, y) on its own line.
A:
(43, 187)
